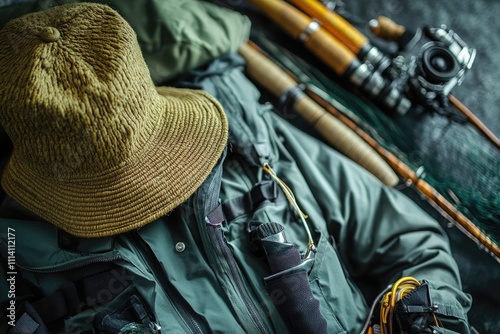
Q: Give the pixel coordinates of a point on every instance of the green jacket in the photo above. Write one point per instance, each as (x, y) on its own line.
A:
(198, 277)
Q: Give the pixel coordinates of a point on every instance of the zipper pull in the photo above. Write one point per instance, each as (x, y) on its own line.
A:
(291, 198)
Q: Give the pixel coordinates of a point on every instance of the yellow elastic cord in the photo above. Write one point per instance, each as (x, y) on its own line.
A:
(404, 285)
(399, 290)
(291, 198)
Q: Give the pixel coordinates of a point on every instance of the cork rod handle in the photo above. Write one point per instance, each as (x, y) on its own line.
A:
(319, 41)
(272, 77)
(333, 23)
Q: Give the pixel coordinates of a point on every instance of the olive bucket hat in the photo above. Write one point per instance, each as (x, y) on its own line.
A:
(98, 150)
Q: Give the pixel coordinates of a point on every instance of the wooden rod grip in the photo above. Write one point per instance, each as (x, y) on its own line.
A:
(387, 29)
(266, 73)
(346, 141)
(323, 44)
(293, 21)
(272, 77)
(334, 23)
(331, 51)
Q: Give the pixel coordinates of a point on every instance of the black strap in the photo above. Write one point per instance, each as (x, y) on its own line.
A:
(266, 190)
(288, 286)
(30, 322)
(290, 96)
(69, 300)
(216, 216)
(72, 298)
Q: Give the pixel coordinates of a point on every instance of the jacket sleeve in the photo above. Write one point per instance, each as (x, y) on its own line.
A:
(381, 234)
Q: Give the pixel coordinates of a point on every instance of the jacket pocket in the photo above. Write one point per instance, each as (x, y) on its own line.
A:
(125, 313)
(340, 302)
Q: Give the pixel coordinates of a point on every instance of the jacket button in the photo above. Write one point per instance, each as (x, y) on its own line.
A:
(180, 247)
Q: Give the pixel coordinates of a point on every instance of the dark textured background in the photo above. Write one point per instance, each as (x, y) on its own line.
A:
(457, 151)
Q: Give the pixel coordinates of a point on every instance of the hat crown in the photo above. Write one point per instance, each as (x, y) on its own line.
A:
(98, 149)
(76, 95)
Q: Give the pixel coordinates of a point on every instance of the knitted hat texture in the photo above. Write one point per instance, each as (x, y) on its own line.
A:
(97, 149)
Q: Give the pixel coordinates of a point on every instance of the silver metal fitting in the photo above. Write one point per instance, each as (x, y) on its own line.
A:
(312, 27)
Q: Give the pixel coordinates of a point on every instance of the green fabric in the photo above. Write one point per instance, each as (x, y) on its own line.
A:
(351, 219)
(179, 35)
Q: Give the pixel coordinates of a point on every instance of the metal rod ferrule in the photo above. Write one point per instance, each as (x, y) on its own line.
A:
(312, 27)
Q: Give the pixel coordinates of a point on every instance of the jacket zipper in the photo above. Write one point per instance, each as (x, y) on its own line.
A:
(190, 318)
(221, 256)
(215, 234)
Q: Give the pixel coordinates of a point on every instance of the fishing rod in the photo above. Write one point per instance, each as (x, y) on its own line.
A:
(433, 197)
(472, 118)
(334, 54)
(269, 75)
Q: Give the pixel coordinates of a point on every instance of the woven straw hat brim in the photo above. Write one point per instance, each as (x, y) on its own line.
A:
(192, 135)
